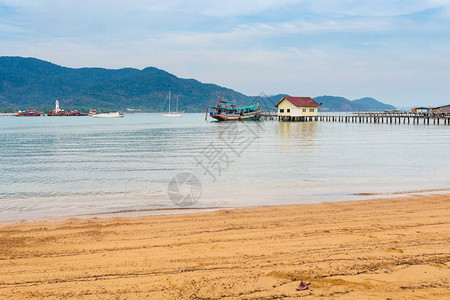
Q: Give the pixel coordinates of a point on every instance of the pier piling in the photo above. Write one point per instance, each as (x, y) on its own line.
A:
(375, 118)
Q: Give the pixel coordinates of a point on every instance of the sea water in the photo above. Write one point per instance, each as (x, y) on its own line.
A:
(73, 166)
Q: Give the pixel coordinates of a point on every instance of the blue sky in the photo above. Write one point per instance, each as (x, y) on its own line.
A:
(395, 51)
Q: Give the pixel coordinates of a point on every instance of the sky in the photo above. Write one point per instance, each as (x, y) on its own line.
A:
(397, 51)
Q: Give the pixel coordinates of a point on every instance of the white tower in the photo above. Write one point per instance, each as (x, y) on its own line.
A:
(57, 106)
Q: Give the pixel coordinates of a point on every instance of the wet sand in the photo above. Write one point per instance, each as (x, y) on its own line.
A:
(378, 249)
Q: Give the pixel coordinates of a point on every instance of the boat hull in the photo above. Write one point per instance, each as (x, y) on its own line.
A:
(28, 113)
(173, 115)
(110, 115)
(223, 117)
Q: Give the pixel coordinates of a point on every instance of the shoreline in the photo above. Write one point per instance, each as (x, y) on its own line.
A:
(134, 213)
(377, 248)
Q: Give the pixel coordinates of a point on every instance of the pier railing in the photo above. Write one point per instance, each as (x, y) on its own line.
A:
(381, 118)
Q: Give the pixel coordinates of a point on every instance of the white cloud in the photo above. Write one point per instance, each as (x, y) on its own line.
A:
(374, 8)
(348, 48)
(6, 28)
(222, 8)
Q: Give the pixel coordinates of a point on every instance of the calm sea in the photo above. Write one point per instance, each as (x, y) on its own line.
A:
(69, 166)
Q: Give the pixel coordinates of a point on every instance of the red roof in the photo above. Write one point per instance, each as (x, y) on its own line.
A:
(300, 101)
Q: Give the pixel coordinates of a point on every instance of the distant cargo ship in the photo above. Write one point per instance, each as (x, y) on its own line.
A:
(28, 113)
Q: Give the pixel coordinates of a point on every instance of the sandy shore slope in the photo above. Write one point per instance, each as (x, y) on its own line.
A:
(396, 248)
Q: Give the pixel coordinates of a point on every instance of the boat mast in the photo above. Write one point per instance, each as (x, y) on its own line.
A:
(169, 102)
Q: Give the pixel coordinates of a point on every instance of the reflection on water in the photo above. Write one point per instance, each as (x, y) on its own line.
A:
(62, 166)
(297, 134)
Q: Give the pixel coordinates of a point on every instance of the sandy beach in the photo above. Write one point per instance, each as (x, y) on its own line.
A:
(378, 249)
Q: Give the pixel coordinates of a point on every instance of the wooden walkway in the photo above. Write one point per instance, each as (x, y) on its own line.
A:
(381, 118)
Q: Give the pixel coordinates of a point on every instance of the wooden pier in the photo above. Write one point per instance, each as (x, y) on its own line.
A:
(381, 118)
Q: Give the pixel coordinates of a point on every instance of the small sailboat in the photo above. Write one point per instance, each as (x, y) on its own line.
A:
(173, 114)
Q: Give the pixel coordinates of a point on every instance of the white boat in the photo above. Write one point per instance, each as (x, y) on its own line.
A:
(109, 115)
(173, 114)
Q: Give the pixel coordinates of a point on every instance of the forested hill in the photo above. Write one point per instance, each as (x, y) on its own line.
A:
(30, 83)
(341, 104)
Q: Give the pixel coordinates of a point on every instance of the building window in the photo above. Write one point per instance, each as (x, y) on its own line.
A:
(304, 110)
(281, 110)
(288, 110)
(311, 110)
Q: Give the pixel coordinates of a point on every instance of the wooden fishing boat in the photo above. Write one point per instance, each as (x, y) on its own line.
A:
(226, 110)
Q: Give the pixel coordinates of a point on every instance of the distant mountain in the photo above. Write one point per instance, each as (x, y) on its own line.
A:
(368, 103)
(336, 104)
(33, 83)
(29, 83)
